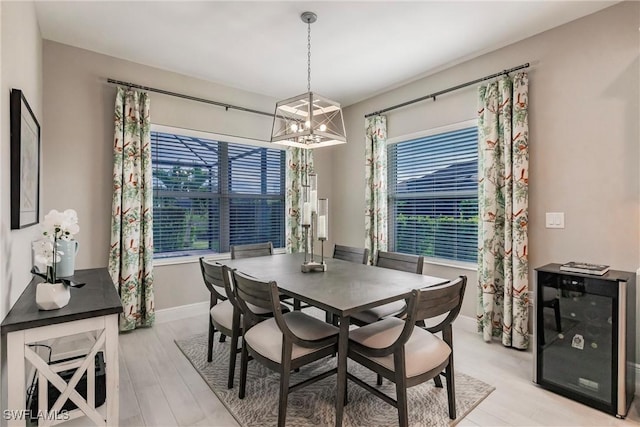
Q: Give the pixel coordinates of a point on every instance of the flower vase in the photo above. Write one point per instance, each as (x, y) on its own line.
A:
(67, 264)
(51, 296)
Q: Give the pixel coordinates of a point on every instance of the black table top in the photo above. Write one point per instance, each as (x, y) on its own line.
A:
(612, 275)
(345, 288)
(97, 298)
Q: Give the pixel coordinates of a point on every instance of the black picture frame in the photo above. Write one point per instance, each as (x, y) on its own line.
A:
(25, 163)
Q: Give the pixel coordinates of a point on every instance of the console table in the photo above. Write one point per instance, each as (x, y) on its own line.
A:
(93, 311)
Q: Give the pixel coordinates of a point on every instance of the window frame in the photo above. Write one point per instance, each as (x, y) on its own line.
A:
(222, 194)
(445, 262)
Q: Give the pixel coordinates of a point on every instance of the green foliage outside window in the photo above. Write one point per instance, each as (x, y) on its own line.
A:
(435, 236)
(182, 222)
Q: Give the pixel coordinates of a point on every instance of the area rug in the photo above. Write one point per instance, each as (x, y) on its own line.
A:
(314, 405)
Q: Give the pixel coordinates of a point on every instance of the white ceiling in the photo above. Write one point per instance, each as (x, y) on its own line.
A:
(358, 48)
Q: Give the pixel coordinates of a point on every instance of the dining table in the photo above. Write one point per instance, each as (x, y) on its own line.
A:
(343, 289)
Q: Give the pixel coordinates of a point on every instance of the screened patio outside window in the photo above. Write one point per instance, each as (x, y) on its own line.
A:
(210, 194)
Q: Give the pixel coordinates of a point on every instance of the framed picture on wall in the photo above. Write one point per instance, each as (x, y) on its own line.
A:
(25, 162)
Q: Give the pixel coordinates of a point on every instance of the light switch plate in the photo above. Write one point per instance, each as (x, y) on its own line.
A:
(554, 220)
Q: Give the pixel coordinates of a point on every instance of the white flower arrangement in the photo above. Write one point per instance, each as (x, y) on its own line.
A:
(60, 225)
(56, 226)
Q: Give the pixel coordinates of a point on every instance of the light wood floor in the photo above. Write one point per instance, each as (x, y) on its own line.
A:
(159, 387)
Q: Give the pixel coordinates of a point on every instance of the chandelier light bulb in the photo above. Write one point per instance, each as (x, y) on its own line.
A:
(294, 128)
(323, 127)
(307, 124)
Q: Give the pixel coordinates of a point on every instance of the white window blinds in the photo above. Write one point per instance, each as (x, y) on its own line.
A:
(211, 194)
(433, 195)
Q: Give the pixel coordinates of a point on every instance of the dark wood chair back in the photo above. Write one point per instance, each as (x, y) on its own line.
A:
(351, 254)
(267, 296)
(439, 300)
(249, 290)
(427, 303)
(401, 262)
(252, 250)
(213, 279)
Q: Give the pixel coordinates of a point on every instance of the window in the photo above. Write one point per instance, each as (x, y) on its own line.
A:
(209, 194)
(433, 195)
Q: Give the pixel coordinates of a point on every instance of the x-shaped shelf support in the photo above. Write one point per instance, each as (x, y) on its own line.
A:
(68, 390)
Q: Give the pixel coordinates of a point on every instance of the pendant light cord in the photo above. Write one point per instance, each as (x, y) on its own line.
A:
(308, 56)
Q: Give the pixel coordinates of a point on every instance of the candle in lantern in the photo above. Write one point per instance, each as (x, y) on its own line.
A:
(322, 227)
(314, 200)
(306, 213)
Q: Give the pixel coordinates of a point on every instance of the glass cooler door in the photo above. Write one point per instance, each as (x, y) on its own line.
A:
(576, 342)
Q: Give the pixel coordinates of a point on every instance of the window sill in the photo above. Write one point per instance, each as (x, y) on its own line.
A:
(192, 259)
(452, 264)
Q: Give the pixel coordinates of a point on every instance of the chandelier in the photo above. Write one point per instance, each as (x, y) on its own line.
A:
(308, 120)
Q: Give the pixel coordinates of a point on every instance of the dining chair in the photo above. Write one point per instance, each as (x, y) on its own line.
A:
(407, 354)
(251, 250)
(213, 281)
(261, 249)
(399, 261)
(394, 261)
(225, 315)
(351, 254)
(282, 343)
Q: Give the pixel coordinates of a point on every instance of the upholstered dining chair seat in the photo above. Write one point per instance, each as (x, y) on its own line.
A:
(423, 351)
(266, 337)
(376, 313)
(222, 313)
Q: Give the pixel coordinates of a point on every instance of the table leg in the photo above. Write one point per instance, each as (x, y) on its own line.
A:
(16, 414)
(343, 342)
(113, 370)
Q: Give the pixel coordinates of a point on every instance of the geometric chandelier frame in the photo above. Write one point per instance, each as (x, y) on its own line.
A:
(308, 120)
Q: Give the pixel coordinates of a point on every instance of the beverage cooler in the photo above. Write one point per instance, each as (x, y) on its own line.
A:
(585, 337)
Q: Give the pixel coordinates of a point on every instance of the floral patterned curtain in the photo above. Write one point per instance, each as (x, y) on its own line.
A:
(503, 171)
(299, 163)
(375, 219)
(131, 253)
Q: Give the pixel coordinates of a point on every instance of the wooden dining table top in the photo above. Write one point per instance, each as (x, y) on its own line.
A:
(345, 288)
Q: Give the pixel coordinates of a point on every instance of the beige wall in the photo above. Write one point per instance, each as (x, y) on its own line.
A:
(78, 174)
(21, 68)
(584, 139)
(21, 54)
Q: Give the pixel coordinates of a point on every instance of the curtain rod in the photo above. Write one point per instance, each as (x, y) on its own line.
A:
(451, 89)
(189, 97)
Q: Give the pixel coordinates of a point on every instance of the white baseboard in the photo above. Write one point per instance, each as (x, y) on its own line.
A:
(467, 323)
(182, 312)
